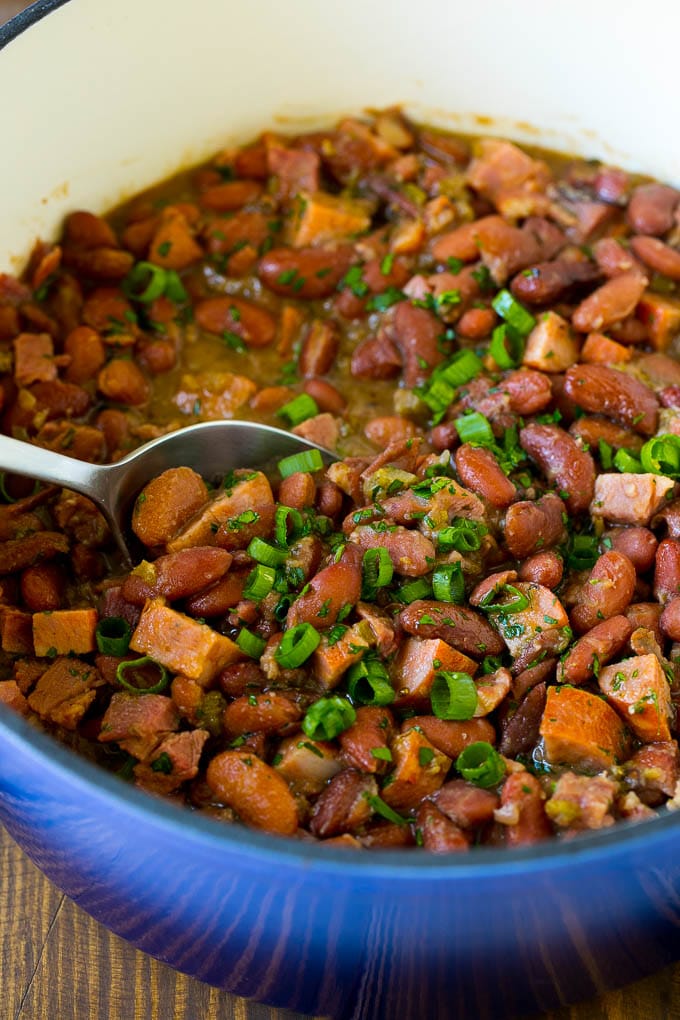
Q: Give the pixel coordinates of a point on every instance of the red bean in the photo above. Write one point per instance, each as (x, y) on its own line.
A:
(667, 570)
(319, 348)
(658, 256)
(544, 568)
(530, 392)
(562, 461)
(327, 397)
(651, 207)
(606, 593)
(603, 390)
(532, 527)
(122, 381)
(596, 648)
(670, 620)
(305, 272)
(257, 793)
(638, 544)
(479, 471)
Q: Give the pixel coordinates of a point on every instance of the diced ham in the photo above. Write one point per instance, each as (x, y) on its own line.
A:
(172, 763)
(64, 631)
(307, 765)
(11, 695)
(319, 218)
(582, 802)
(638, 689)
(138, 722)
(181, 644)
(582, 730)
(507, 176)
(550, 346)
(215, 395)
(250, 488)
(411, 553)
(653, 771)
(34, 359)
(414, 669)
(630, 498)
(331, 661)
(538, 628)
(65, 691)
(416, 775)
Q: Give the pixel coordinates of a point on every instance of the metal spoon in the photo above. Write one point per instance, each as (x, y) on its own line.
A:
(211, 448)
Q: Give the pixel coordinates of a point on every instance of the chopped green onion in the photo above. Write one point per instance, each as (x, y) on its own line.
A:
(328, 717)
(299, 409)
(606, 454)
(265, 552)
(381, 753)
(490, 663)
(448, 583)
(297, 644)
(582, 552)
(453, 695)
(481, 764)
(474, 428)
(462, 536)
(174, 288)
(381, 302)
(661, 455)
(517, 604)
(250, 643)
(626, 463)
(460, 369)
(145, 282)
(307, 460)
(515, 314)
(135, 664)
(283, 517)
(113, 635)
(282, 606)
(419, 588)
(507, 346)
(377, 571)
(368, 683)
(259, 582)
(384, 810)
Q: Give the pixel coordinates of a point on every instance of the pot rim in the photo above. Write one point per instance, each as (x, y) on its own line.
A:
(386, 864)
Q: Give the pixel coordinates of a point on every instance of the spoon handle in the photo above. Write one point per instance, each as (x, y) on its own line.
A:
(23, 458)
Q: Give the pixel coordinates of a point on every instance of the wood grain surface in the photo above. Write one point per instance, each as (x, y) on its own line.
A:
(56, 963)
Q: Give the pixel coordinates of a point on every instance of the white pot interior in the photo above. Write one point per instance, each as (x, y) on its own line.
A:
(107, 98)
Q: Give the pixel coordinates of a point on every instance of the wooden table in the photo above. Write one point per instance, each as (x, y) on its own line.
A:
(56, 963)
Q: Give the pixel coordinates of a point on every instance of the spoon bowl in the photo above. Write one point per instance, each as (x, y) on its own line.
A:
(211, 448)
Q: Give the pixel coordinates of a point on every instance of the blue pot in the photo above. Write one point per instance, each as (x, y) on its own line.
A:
(363, 935)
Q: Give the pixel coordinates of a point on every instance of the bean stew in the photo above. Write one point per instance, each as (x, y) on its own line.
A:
(464, 631)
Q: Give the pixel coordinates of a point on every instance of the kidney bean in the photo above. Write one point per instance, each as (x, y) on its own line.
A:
(532, 527)
(440, 835)
(533, 675)
(116, 428)
(389, 429)
(529, 391)
(416, 333)
(667, 570)
(298, 490)
(42, 587)
(266, 712)
(521, 730)
(479, 471)
(461, 243)
(645, 615)
(545, 282)
(87, 353)
(122, 381)
(596, 648)
(332, 588)
(327, 397)
(254, 790)
(607, 592)
(412, 554)
(651, 208)
(60, 399)
(463, 628)
(344, 805)
(85, 230)
(603, 390)
(166, 504)
(544, 568)
(319, 348)
(613, 259)
(638, 544)
(179, 575)
(522, 797)
(669, 621)
(476, 323)
(230, 195)
(372, 728)
(610, 303)
(157, 356)
(101, 264)
(451, 737)
(658, 256)
(670, 516)
(305, 272)
(254, 325)
(466, 804)
(562, 461)
(376, 357)
(591, 429)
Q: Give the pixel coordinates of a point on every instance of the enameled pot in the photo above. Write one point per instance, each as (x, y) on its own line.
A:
(98, 101)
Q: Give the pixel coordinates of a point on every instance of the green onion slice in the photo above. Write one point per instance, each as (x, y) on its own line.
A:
(265, 552)
(448, 583)
(463, 536)
(491, 663)
(328, 717)
(384, 810)
(419, 588)
(626, 463)
(516, 604)
(299, 409)
(259, 582)
(368, 683)
(481, 764)
(582, 552)
(174, 288)
(306, 460)
(515, 314)
(113, 635)
(507, 346)
(134, 664)
(661, 455)
(453, 695)
(287, 518)
(377, 571)
(474, 428)
(145, 282)
(606, 454)
(297, 644)
(252, 644)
